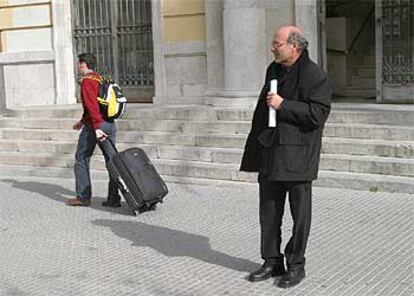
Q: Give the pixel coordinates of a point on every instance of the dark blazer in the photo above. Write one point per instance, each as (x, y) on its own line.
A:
(291, 151)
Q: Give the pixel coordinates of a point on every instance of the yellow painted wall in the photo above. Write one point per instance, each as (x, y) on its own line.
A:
(22, 2)
(5, 21)
(6, 18)
(16, 16)
(183, 20)
(3, 41)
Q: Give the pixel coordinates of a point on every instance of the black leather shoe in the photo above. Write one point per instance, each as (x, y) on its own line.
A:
(111, 204)
(278, 269)
(266, 271)
(291, 278)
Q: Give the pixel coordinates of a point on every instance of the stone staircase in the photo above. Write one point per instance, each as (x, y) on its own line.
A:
(365, 147)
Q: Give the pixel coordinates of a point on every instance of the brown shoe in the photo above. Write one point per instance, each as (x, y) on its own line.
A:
(77, 202)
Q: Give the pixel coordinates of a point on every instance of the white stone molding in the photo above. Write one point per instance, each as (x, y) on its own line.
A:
(27, 57)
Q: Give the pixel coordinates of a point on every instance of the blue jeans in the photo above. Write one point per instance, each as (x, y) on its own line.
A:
(86, 145)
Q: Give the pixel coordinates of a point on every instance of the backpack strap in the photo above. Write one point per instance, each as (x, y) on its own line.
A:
(94, 78)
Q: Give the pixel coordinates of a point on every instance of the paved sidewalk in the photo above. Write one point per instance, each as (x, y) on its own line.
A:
(202, 241)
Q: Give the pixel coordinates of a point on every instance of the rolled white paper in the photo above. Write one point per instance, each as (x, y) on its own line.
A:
(272, 111)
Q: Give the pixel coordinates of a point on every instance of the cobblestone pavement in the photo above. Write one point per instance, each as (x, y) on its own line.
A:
(203, 240)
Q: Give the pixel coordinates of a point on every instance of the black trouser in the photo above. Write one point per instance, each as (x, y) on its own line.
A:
(272, 204)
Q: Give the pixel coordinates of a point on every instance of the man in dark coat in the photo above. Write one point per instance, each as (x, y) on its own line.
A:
(287, 156)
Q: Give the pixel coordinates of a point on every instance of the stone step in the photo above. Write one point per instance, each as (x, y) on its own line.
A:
(59, 147)
(367, 164)
(73, 111)
(398, 149)
(357, 181)
(232, 103)
(228, 121)
(370, 112)
(214, 164)
(134, 111)
(369, 131)
(377, 117)
(213, 138)
(190, 127)
(371, 182)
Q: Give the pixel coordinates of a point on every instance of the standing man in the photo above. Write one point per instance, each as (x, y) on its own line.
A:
(94, 129)
(287, 156)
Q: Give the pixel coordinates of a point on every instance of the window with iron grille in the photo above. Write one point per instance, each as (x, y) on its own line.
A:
(398, 41)
(119, 33)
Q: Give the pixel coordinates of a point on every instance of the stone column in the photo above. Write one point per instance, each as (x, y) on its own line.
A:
(160, 78)
(306, 15)
(244, 36)
(64, 59)
(2, 92)
(214, 44)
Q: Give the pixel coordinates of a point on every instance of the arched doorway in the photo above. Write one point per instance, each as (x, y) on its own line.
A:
(119, 33)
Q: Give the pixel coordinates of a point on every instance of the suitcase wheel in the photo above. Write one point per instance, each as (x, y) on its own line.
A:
(146, 208)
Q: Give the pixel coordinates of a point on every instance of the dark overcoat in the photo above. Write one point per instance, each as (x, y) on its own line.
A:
(291, 151)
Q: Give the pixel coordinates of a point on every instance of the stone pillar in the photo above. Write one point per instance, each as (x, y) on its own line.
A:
(214, 44)
(64, 59)
(306, 15)
(159, 66)
(244, 36)
(2, 92)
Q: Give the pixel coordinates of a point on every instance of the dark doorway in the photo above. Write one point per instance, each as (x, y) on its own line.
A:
(350, 48)
(120, 34)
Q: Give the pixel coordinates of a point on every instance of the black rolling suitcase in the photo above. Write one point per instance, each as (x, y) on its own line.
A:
(140, 184)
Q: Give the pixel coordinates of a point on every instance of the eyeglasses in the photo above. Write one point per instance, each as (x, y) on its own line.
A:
(278, 44)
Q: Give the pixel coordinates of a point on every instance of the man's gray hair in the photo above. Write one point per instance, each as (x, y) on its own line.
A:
(298, 39)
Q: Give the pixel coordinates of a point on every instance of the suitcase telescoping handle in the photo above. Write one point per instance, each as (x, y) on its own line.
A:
(111, 143)
(109, 152)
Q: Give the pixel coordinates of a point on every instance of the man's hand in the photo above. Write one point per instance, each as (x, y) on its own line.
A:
(77, 125)
(100, 135)
(274, 100)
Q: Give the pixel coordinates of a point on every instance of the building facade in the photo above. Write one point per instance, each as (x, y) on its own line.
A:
(189, 51)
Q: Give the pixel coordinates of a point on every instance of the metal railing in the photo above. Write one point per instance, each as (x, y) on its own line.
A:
(398, 41)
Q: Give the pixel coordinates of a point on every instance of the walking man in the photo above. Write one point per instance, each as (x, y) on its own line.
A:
(287, 156)
(94, 129)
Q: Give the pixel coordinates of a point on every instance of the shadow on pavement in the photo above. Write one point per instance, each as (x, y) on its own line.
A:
(175, 243)
(61, 194)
